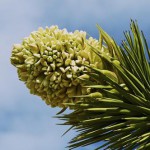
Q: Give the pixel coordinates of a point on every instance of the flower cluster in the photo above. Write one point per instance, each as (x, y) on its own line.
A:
(50, 62)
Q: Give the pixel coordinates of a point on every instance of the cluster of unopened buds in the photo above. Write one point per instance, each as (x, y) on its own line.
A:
(51, 62)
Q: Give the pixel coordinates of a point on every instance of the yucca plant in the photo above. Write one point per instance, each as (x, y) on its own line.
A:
(119, 117)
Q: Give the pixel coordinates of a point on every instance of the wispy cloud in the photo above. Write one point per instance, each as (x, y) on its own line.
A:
(114, 15)
(29, 141)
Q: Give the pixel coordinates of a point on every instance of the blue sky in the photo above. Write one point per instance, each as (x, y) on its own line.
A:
(26, 122)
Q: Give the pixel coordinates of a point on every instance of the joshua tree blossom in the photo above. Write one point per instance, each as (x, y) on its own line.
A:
(52, 62)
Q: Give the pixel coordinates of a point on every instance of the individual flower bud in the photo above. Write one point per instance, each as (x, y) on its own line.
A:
(110, 75)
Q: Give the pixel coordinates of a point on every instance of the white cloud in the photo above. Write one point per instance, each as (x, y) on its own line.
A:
(18, 141)
(114, 16)
(73, 11)
(31, 129)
